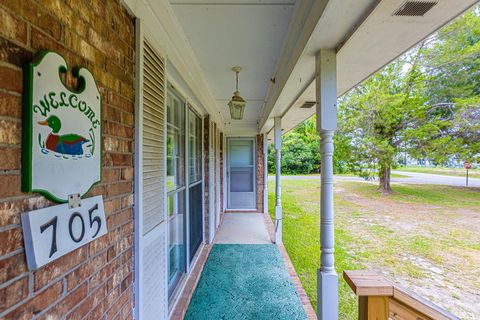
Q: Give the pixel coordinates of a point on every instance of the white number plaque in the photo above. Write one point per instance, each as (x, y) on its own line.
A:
(52, 232)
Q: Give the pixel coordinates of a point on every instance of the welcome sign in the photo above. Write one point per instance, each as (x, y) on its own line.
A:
(62, 136)
(62, 153)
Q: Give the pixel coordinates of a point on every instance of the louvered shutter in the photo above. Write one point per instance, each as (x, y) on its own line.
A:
(151, 295)
(153, 138)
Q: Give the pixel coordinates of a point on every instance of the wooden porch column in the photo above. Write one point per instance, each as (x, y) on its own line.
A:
(326, 93)
(278, 174)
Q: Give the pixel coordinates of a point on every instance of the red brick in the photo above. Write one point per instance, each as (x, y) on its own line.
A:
(111, 175)
(119, 72)
(111, 113)
(119, 188)
(38, 16)
(39, 303)
(58, 267)
(87, 51)
(127, 91)
(98, 190)
(86, 306)
(99, 244)
(14, 54)
(101, 39)
(11, 183)
(111, 206)
(124, 243)
(12, 267)
(11, 158)
(10, 132)
(11, 240)
(119, 218)
(115, 144)
(41, 41)
(13, 293)
(13, 28)
(66, 304)
(118, 305)
(127, 201)
(115, 129)
(85, 271)
(11, 79)
(10, 105)
(101, 276)
(125, 311)
(127, 173)
(127, 257)
(97, 312)
(98, 7)
(117, 159)
(126, 282)
(10, 211)
(105, 79)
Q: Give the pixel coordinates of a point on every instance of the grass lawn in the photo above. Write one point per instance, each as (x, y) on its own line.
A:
(458, 172)
(426, 238)
(393, 175)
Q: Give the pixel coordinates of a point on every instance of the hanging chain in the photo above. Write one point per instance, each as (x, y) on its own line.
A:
(237, 80)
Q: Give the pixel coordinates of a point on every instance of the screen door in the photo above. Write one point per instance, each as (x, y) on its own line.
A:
(241, 173)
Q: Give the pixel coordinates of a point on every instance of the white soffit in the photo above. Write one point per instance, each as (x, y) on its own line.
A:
(161, 27)
(337, 21)
(225, 33)
(379, 39)
(383, 37)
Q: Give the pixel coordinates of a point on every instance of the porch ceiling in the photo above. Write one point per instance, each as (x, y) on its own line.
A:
(225, 33)
(379, 38)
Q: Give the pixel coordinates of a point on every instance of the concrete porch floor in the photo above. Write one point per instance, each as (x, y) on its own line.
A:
(243, 228)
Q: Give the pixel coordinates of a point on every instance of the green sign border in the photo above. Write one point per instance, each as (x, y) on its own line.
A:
(27, 109)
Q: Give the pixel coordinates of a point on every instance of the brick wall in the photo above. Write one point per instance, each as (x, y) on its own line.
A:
(260, 172)
(95, 281)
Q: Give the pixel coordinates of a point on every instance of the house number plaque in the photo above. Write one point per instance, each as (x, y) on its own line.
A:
(52, 232)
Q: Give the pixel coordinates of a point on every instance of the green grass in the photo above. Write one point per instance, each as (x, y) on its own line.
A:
(458, 172)
(437, 195)
(393, 175)
(364, 239)
(302, 241)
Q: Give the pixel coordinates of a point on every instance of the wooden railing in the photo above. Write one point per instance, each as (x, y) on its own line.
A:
(379, 299)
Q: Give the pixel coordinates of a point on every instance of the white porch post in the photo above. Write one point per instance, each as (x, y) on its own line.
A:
(265, 174)
(278, 173)
(326, 92)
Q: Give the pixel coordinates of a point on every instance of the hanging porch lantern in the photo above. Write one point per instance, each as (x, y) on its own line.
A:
(237, 103)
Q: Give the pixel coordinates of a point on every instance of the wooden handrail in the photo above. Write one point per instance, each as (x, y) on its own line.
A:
(379, 299)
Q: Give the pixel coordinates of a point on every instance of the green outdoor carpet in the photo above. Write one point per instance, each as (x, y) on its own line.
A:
(245, 281)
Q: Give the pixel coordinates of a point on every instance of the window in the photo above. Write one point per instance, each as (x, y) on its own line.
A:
(175, 189)
(195, 147)
(175, 143)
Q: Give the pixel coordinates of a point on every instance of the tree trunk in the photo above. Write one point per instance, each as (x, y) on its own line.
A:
(384, 175)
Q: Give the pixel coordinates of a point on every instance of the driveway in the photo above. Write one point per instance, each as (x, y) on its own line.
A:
(427, 178)
(413, 178)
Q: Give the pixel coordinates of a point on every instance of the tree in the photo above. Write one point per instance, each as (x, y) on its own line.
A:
(375, 115)
(300, 150)
(451, 65)
(426, 103)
